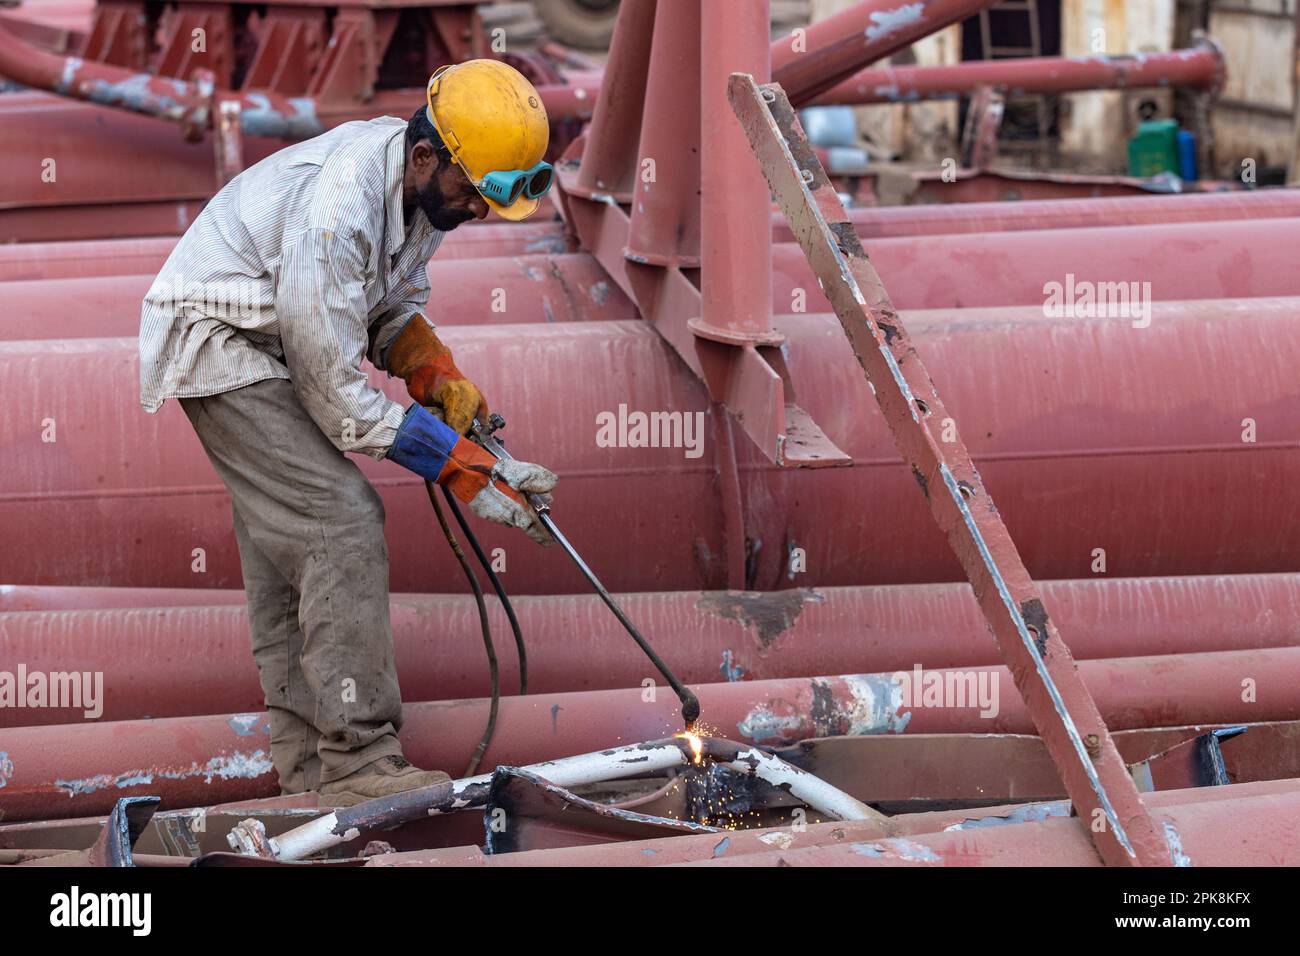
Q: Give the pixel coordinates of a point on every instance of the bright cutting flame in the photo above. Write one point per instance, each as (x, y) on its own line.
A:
(697, 745)
(695, 737)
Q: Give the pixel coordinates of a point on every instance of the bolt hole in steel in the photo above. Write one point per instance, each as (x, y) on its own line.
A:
(924, 408)
(806, 175)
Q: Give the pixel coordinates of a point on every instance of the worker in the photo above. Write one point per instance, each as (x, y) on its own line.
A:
(299, 269)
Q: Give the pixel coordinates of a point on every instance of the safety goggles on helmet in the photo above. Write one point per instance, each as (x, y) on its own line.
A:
(506, 187)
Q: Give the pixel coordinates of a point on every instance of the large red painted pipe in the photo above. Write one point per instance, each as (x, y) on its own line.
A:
(742, 843)
(183, 660)
(1199, 68)
(119, 497)
(1248, 831)
(81, 769)
(885, 222)
(109, 257)
(833, 49)
(1179, 261)
(523, 288)
(125, 257)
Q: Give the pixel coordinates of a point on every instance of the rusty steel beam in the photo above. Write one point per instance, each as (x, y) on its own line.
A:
(1064, 712)
(1201, 67)
(190, 657)
(831, 50)
(78, 769)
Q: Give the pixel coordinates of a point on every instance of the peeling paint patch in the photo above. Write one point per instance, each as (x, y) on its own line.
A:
(886, 22)
(6, 768)
(599, 292)
(908, 850)
(781, 839)
(722, 847)
(732, 672)
(877, 706)
(135, 93)
(246, 725)
(1030, 813)
(260, 118)
(867, 849)
(1176, 846)
(898, 849)
(70, 67)
(762, 723)
(855, 706)
(235, 766)
(547, 245)
(555, 718)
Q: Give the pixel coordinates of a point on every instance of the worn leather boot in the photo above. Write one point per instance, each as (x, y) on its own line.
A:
(383, 778)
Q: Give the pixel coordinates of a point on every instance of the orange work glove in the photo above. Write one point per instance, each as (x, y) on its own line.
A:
(418, 357)
(493, 487)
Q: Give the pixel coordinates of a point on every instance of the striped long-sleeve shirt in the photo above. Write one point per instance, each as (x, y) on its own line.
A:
(300, 268)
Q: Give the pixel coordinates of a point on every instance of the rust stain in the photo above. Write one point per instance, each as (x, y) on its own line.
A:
(768, 613)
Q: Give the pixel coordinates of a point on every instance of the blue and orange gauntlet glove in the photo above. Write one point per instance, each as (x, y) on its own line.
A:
(492, 487)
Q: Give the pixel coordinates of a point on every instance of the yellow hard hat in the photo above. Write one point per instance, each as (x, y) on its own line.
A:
(494, 124)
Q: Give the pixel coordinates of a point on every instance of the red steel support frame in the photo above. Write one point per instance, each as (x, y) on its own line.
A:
(735, 245)
(1064, 712)
(724, 334)
(610, 159)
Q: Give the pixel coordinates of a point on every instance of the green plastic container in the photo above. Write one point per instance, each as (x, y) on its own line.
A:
(1154, 149)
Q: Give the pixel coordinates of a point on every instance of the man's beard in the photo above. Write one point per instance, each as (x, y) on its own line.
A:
(432, 201)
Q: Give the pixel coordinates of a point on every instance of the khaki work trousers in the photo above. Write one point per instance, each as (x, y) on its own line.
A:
(311, 543)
